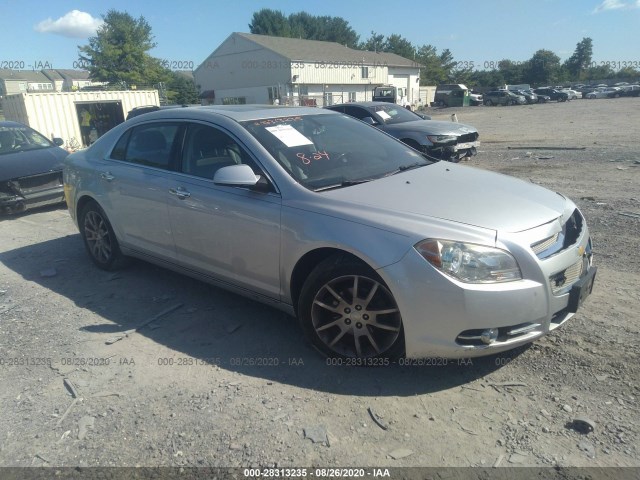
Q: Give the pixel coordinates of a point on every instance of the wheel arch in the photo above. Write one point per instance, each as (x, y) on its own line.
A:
(82, 202)
(308, 262)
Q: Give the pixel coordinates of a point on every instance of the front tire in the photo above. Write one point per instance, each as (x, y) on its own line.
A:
(99, 238)
(347, 311)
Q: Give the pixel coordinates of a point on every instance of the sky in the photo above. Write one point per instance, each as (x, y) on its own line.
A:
(46, 34)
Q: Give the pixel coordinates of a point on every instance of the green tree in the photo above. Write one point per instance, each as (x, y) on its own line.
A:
(600, 72)
(375, 43)
(182, 90)
(392, 44)
(400, 46)
(433, 69)
(335, 29)
(119, 51)
(512, 72)
(628, 72)
(577, 64)
(270, 22)
(543, 68)
(487, 78)
(303, 25)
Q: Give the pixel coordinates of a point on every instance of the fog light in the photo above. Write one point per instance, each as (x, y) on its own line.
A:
(489, 336)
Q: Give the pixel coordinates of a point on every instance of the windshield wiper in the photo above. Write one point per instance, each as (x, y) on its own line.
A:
(404, 168)
(344, 183)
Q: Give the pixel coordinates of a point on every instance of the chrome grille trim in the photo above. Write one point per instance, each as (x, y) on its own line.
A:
(560, 241)
(542, 245)
(562, 281)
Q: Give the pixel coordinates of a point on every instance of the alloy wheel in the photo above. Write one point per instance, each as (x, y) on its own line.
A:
(356, 316)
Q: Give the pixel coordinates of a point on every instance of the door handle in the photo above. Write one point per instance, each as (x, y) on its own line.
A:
(180, 192)
(107, 176)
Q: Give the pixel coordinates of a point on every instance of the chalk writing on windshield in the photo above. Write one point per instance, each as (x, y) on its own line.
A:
(314, 156)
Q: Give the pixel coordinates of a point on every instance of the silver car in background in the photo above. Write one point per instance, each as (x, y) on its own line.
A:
(378, 251)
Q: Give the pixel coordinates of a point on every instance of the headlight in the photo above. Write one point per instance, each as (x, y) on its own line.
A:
(468, 262)
(442, 138)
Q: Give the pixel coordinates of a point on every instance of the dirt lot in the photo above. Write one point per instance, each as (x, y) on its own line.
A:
(219, 380)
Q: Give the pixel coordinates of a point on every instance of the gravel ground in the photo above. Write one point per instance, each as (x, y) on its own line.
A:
(218, 380)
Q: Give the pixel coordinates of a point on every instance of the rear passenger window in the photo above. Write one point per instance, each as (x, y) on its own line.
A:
(149, 145)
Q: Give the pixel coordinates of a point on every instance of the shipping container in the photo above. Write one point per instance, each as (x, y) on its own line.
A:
(79, 118)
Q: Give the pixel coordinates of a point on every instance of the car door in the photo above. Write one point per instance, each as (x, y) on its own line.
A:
(136, 187)
(230, 233)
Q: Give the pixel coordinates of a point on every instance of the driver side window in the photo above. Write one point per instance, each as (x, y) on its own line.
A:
(208, 149)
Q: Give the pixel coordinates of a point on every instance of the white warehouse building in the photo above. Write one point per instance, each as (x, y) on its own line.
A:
(261, 69)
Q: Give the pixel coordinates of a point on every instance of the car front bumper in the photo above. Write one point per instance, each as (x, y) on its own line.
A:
(28, 192)
(441, 316)
(464, 146)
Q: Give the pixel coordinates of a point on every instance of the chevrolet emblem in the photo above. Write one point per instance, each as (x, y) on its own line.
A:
(580, 251)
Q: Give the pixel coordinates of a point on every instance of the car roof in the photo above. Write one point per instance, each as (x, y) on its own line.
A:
(10, 124)
(239, 113)
(362, 104)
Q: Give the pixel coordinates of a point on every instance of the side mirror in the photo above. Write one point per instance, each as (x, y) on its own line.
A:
(58, 142)
(369, 120)
(236, 176)
(423, 116)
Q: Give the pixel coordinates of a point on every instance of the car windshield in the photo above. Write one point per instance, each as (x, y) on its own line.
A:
(19, 139)
(332, 151)
(392, 113)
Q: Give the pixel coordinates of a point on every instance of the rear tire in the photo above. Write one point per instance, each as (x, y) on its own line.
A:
(99, 238)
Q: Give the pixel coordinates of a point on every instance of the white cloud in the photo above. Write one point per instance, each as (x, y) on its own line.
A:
(74, 24)
(615, 5)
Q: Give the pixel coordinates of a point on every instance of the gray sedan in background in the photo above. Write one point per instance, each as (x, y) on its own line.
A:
(440, 140)
(378, 251)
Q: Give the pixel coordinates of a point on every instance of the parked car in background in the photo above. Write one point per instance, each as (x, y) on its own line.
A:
(503, 97)
(529, 96)
(573, 94)
(630, 90)
(541, 98)
(153, 108)
(378, 251)
(450, 141)
(604, 92)
(30, 168)
(552, 93)
(475, 98)
(585, 89)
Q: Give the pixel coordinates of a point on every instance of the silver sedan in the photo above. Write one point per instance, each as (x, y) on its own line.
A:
(378, 251)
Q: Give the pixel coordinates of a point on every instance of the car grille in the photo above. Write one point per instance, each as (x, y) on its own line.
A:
(37, 183)
(562, 240)
(562, 281)
(468, 137)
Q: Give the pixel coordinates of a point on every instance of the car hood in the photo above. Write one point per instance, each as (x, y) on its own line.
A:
(431, 127)
(458, 194)
(31, 162)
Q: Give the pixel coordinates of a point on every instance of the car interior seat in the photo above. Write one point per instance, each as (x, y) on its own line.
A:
(7, 140)
(149, 147)
(210, 151)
